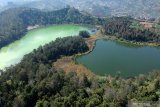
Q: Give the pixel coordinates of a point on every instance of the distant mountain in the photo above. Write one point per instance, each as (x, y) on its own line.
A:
(7, 4)
(48, 5)
(135, 8)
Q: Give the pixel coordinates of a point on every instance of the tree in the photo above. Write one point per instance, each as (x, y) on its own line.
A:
(84, 34)
(159, 21)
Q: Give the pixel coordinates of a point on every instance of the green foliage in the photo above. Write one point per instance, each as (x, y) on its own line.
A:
(159, 21)
(128, 29)
(35, 79)
(34, 82)
(136, 25)
(84, 34)
(157, 26)
(11, 26)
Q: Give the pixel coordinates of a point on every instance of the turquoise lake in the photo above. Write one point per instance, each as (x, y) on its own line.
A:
(14, 52)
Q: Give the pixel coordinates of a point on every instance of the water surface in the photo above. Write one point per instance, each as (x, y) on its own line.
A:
(110, 57)
(14, 52)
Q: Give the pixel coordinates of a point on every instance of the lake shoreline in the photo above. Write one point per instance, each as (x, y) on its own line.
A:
(33, 39)
(72, 64)
(99, 36)
(91, 41)
(30, 28)
(112, 38)
(34, 27)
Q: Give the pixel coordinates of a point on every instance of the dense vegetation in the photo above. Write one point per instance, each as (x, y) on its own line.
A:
(35, 82)
(159, 21)
(84, 34)
(36, 68)
(129, 29)
(14, 22)
(11, 27)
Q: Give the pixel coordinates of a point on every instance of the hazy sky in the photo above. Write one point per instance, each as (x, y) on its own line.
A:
(15, 0)
(4, 2)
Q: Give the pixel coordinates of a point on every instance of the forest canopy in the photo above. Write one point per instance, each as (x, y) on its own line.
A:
(35, 82)
(130, 29)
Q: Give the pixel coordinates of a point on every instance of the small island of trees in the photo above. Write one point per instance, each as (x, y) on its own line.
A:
(84, 34)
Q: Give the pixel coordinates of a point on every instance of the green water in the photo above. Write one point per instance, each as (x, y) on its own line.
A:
(116, 58)
(14, 52)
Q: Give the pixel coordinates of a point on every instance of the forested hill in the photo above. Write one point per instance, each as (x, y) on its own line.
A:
(36, 68)
(132, 30)
(14, 22)
(34, 82)
(135, 8)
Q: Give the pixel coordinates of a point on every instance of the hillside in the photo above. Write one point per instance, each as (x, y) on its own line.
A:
(137, 9)
(35, 82)
(14, 22)
(132, 30)
(46, 5)
(42, 78)
(7, 4)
